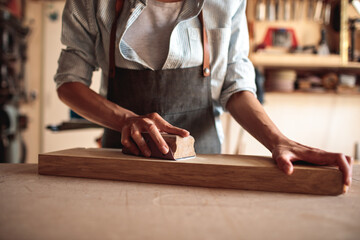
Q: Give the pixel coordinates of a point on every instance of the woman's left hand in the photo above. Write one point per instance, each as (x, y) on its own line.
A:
(250, 114)
(286, 154)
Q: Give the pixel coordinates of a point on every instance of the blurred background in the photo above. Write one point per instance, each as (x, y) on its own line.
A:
(306, 54)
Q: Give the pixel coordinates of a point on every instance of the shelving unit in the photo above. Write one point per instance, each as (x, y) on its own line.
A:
(308, 33)
(295, 60)
(303, 61)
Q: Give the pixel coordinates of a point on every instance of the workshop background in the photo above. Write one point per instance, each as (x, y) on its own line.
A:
(306, 54)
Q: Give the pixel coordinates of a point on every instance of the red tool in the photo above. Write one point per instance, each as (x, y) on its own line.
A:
(279, 37)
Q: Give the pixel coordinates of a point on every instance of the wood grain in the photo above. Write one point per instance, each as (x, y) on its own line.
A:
(219, 171)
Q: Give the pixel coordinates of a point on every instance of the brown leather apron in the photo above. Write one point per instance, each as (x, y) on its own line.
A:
(181, 96)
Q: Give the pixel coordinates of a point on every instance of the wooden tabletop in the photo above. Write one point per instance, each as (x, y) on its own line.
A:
(46, 207)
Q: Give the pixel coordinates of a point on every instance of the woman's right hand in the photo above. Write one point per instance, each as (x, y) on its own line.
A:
(152, 123)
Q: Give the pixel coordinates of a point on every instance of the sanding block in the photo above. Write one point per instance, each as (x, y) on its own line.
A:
(179, 147)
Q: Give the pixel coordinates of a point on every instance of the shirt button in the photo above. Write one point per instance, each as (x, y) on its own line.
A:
(207, 71)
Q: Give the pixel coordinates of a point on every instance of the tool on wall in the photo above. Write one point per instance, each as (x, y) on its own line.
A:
(310, 9)
(318, 10)
(286, 10)
(300, 10)
(356, 4)
(260, 10)
(352, 27)
(283, 38)
(327, 12)
(323, 48)
(277, 10)
(293, 9)
(271, 10)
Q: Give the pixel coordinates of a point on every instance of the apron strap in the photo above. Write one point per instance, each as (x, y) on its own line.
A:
(118, 7)
(205, 42)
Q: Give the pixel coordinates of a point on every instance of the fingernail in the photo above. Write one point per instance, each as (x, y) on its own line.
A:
(287, 169)
(186, 132)
(165, 150)
(346, 188)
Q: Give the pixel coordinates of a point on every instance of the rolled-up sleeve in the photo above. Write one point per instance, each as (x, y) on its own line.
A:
(78, 61)
(240, 75)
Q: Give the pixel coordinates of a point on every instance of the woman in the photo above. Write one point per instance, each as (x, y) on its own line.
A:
(169, 66)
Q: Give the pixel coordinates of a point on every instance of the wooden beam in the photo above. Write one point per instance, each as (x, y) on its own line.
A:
(219, 171)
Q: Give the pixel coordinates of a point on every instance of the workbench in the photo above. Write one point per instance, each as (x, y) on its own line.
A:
(39, 207)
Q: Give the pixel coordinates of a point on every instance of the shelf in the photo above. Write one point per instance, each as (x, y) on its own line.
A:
(320, 93)
(295, 60)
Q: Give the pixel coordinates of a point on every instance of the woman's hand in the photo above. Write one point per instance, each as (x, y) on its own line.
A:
(152, 123)
(247, 111)
(286, 154)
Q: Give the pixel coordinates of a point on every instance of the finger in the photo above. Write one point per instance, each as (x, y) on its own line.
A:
(350, 161)
(126, 141)
(345, 168)
(327, 158)
(167, 127)
(158, 139)
(284, 163)
(342, 162)
(140, 142)
(335, 159)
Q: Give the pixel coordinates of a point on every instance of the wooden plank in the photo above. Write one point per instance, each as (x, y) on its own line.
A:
(220, 171)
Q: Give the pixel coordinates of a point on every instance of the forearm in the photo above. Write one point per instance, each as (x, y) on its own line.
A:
(93, 106)
(250, 114)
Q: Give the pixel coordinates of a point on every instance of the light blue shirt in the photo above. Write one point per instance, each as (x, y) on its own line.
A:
(86, 33)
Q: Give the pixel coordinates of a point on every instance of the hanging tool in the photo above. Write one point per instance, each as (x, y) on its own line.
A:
(293, 9)
(327, 12)
(310, 9)
(272, 33)
(300, 10)
(356, 4)
(270, 10)
(318, 10)
(287, 10)
(323, 48)
(260, 10)
(277, 10)
(352, 27)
